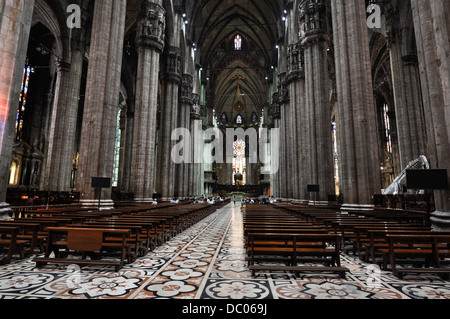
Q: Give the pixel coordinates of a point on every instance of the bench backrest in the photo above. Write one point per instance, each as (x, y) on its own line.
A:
(87, 239)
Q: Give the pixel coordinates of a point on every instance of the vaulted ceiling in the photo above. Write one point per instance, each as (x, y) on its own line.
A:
(213, 26)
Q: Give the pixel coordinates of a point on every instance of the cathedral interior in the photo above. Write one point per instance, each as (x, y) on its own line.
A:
(344, 96)
(295, 106)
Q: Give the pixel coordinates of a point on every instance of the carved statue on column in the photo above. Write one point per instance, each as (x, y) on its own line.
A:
(283, 90)
(151, 26)
(173, 65)
(186, 89)
(295, 66)
(195, 108)
(274, 109)
(312, 17)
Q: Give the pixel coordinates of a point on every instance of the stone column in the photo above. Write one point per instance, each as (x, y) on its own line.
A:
(300, 151)
(315, 41)
(63, 122)
(128, 164)
(196, 128)
(275, 115)
(102, 100)
(360, 165)
(185, 105)
(432, 29)
(407, 92)
(169, 118)
(15, 24)
(272, 124)
(150, 44)
(287, 121)
(58, 146)
(282, 100)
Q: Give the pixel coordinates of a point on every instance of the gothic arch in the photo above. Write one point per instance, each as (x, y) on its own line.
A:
(54, 18)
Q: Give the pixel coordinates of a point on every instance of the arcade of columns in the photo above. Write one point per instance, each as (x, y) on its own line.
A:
(301, 107)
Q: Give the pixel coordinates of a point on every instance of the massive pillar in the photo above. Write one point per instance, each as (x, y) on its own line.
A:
(274, 124)
(185, 105)
(360, 165)
(63, 122)
(125, 181)
(15, 24)
(407, 91)
(282, 100)
(196, 129)
(150, 44)
(315, 42)
(102, 100)
(169, 118)
(432, 30)
(287, 138)
(296, 80)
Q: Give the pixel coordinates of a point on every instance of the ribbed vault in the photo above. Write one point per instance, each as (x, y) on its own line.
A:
(213, 26)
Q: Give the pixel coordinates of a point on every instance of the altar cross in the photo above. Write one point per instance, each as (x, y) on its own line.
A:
(238, 77)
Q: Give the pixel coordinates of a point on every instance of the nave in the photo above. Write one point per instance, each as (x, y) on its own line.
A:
(207, 261)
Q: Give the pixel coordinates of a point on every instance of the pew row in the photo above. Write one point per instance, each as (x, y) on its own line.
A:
(295, 248)
(91, 243)
(429, 251)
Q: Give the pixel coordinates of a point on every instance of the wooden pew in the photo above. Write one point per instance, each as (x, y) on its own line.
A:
(159, 228)
(136, 239)
(295, 247)
(427, 250)
(8, 238)
(43, 225)
(27, 232)
(87, 242)
(370, 238)
(347, 230)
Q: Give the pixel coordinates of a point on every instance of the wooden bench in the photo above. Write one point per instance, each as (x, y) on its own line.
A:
(136, 239)
(90, 242)
(369, 239)
(8, 239)
(427, 250)
(27, 232)
(292, 248)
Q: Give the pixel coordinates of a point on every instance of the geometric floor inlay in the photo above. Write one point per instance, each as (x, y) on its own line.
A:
(207, 261)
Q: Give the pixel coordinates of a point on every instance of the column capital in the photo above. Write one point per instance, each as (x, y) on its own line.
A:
(296, 63)
(314, 38)
(63, 66)
(172, 65)
(274, 108)
(410, 59)
(312, 18)
(186, 92)
(151, 26)
(283, 90)
(196, 108)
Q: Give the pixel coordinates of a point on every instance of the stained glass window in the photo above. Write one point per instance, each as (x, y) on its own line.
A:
(387, 128)
(23, 99)
(254, 118)
(239, 165)
(336, 157)
(239, 119)
(224, 118)
(238, 43)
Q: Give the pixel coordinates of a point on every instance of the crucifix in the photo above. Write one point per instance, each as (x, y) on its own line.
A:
(238, 77)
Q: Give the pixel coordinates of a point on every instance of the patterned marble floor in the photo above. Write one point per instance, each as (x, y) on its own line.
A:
(207, 261)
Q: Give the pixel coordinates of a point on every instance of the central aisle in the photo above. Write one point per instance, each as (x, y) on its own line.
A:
(203, 262)
(207, 261)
